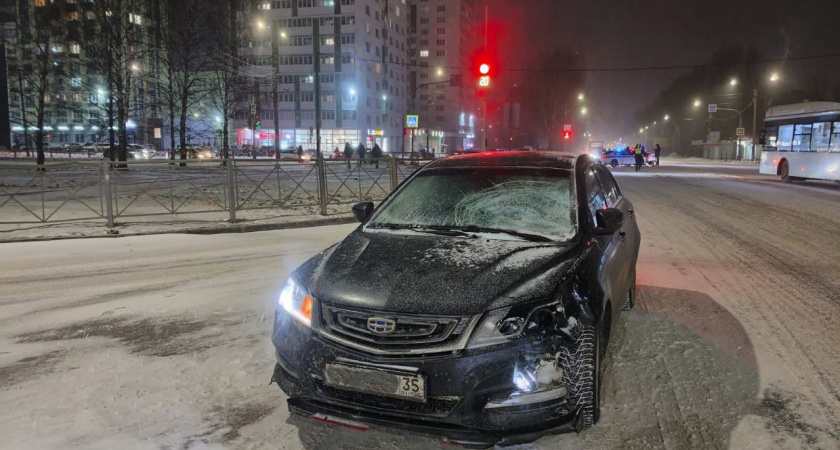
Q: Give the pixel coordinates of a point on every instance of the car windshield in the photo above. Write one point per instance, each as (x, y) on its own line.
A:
(525, 200)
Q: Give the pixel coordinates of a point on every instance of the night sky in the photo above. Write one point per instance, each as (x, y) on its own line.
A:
(610, 34)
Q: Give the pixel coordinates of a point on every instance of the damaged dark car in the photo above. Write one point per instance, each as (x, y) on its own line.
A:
(474, 304)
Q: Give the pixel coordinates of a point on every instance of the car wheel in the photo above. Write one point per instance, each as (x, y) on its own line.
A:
(581, 372)
(614, 163)
(630, 297)
(784, 171)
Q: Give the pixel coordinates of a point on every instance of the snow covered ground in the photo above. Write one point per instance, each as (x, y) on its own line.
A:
(162, 341)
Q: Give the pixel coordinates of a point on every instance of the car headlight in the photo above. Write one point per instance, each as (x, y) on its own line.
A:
(502, 325)
(296, 300)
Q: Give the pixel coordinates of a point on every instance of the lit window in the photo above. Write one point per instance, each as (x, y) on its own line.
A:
(424, 53)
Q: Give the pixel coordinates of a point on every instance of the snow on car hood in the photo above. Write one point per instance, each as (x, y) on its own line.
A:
(428, 274)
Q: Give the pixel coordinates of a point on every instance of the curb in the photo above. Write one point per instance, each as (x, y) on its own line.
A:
(343, 220)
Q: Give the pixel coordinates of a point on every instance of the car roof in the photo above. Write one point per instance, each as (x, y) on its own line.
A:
(554, 160)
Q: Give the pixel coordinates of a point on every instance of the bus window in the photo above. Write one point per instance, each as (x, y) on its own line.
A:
(820, 136)
(835, 138)
(802, 138)
(771, 137)
(785, 137)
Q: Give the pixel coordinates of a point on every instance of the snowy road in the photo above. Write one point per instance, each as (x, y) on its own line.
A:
(163, 341)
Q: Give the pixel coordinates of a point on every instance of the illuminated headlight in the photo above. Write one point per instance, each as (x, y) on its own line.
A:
(296, 300)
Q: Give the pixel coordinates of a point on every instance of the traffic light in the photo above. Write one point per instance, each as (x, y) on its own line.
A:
(258, 124)
(484, 74)
(567, 132)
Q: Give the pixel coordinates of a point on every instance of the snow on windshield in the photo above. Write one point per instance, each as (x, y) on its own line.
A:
(531, 200)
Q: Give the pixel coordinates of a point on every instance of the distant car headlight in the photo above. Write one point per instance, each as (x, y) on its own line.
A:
(296, 300)
(502, 325)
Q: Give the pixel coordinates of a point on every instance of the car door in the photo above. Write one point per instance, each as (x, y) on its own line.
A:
(628, 237)
(609, 276)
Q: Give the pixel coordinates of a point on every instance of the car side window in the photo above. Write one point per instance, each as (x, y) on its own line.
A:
(594, 194)
(610, 187)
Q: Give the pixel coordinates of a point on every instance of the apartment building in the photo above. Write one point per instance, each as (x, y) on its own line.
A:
(444, 42)
(364, 72)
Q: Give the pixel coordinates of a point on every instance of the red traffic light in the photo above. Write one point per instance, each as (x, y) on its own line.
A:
(567, 135)
(484, 69)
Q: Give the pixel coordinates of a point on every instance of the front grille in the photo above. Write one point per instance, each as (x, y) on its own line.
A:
(433, 407)
(389, 333)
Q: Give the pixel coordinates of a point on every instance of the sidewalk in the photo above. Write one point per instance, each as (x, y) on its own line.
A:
(703, 161)
(207, 225)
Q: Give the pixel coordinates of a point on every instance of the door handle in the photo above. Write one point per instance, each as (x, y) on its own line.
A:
(622, 235)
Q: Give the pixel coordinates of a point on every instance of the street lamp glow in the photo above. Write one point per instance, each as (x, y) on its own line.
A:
(385, 97)
(352, 91)
(667, 117)
(697, 103)
(654, 122)
(774, 77)
(282, 34)
(646, 127)
(260, 24)
(733, 82)
(135, 67)
(641, 130)
(218, 119)
(580, 97)
(584, 110)
(439, 72)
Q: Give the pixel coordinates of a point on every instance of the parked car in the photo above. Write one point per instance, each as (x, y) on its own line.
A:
(474, 304)
(133, 152)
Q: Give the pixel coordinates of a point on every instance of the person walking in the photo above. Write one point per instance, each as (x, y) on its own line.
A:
(299, 154)
(348, 153)
(376, 154)
(639, 153)
(361, 151)
(657, 151)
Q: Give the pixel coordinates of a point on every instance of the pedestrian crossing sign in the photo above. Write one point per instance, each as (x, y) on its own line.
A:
(412, 121)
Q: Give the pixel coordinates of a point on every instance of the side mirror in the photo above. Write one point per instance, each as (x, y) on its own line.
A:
(608, 221)
(363, 211)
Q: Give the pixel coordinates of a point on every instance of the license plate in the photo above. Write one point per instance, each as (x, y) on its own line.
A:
(387, 383)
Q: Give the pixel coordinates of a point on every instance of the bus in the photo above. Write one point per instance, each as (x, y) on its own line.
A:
(802, 142)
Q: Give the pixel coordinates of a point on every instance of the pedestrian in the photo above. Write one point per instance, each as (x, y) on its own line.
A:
(300, 154)
(361, 151)
(639, 153)
(336, 154)
(432, 154)
(348, 153)
(376, 154)
(657, 151)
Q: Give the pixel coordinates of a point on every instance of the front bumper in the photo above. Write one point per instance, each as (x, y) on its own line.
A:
(459, 388)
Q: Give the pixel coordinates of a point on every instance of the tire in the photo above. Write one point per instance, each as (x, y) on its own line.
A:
(614, 163)
(581, 373)
(630, 297)
(784, 171)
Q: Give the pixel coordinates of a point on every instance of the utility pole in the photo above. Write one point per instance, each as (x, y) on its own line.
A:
(316, 45)
(754, 127)
(275, 80)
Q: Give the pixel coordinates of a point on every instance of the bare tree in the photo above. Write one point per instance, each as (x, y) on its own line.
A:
(35, 69)
(554, 90)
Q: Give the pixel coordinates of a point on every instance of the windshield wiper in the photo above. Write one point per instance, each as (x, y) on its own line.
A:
(443, 231)
(477, 229)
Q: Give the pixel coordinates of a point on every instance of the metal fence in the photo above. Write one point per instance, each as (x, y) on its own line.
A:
(147, 190)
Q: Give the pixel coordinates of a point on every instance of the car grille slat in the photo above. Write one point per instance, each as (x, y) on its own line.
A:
(400, 332)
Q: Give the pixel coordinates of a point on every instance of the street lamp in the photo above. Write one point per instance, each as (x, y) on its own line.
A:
(580, 97)
(733, 82)
(697, 103)
(774, 77)
(584, 110)
(667, 117)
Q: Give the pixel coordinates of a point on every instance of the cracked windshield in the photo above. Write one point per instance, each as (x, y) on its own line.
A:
(419, 224)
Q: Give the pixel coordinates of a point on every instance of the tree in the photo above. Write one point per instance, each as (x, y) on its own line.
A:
(35, 68)
(553, 92)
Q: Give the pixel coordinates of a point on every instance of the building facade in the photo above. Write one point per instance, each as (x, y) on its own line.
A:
(76, 89)
(364, 73)
(444, 43)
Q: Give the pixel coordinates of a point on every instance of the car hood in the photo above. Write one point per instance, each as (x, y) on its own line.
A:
(429, 274)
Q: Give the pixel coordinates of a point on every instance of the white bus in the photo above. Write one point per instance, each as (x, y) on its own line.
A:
(802, 141)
